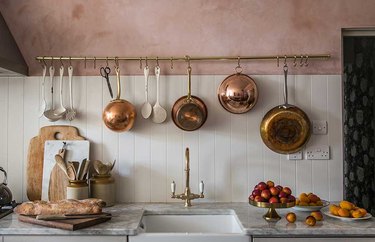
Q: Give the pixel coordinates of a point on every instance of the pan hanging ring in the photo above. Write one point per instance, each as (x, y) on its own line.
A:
(238, 68)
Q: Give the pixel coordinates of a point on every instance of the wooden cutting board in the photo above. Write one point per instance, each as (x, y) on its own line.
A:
(35, 156)
(67, 224)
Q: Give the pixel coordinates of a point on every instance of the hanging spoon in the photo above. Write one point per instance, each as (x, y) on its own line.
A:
(43, 105)
(50, 113)
(146, 108)
(71, 113)
(159, 113)
(60, 111)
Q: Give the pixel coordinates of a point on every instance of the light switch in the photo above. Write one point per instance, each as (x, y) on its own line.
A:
(320, 152)
(319, 127)
(296, 156)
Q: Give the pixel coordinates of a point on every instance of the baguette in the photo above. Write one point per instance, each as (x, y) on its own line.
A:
(68, 206)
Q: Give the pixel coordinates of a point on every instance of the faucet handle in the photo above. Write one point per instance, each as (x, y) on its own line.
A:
(201, 187)
(173, 187)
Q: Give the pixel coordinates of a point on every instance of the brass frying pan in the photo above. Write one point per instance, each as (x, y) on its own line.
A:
(189, 112)
(285, 128)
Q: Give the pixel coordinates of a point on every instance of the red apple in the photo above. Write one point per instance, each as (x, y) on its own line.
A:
(270, 184)
(256, 187)
(265, 194)
(256, 193)
(273, 200)
(291, 198)
(251, 197)
(258, 199)
(262, 186)
(274, 191)
(284, 200)
(283, 194)
(280, 188)
(287, 190)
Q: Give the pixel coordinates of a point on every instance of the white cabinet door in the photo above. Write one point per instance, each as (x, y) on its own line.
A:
(314, 239)
(68, 238)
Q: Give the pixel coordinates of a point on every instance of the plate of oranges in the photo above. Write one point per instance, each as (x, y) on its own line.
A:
(346, 211)
(309, 202)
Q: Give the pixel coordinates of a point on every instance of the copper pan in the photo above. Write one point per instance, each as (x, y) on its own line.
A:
(189, 112)
(238, 93)
(285, 129)
(119, 115)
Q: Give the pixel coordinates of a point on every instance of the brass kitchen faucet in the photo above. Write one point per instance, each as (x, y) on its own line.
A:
(187, 195)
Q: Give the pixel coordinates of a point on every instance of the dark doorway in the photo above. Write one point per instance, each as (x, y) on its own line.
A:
(359, 121)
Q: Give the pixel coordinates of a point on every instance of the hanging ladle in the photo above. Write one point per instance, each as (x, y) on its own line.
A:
(50, 113)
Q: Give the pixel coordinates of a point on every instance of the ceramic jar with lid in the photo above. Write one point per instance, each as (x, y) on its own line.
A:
(103, 187)
(77, 189)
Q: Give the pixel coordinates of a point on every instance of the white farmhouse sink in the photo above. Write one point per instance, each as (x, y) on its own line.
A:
(186, 228)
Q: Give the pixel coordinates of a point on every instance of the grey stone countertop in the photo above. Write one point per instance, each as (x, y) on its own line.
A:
(128, 216)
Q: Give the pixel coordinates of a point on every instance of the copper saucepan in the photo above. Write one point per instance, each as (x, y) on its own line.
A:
(189, 112)
(238, 93)
(285, 129)
(119, 115)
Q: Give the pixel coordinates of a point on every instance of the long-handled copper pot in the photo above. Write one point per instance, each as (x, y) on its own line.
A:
(285, 128)
(119, 115)
(189, 112)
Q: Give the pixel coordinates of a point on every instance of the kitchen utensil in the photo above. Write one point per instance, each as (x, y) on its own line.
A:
(70, 113)
(50, 113)
(58, 179)
(35, 156)
(238, 93)
(101, 168)
(285, 128)
(325, 210)
(119, 115)
(5, 193)
(80, 169)
(85, 170)
(61, 163)
(60, 111)
(66, 216)
(43, 105)
(189, 112)
(271, 214)
(71, 170)
(159, 114)
(67, 224)
(104, 72)
(146, 107)
(311, 208)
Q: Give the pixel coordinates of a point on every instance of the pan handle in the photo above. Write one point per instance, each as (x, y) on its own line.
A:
(285, 84)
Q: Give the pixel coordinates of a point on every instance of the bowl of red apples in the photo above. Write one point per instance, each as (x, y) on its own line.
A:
(267, 195)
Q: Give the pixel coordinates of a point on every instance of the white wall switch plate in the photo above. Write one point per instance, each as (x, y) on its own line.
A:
(319, 127)
(296, 156)
(319, 152)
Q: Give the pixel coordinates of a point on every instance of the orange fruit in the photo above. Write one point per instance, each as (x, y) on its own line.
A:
(343, 212)
(334, 209)
(363, 211)
(319, 203)
(346, 205)
(312, 204)
(303, 204)
(310, 221)
(291, 217)
(304, 198)
(356, 213)
(317, 215)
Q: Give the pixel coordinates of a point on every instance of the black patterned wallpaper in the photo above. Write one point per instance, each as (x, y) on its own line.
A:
(359, 121)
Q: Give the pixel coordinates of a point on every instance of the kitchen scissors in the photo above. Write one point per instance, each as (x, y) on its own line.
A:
(104, 72)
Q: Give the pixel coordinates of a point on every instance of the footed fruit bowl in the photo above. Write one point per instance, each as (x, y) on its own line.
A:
(271, 214)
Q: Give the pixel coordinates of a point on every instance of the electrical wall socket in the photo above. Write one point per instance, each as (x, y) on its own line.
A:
(296, 156)
(319, 127)
(320, 152)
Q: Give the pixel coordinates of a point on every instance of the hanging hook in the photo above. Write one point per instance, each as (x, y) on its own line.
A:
(51, 61)
(44, 61)
(70, 61)
(116, 62)
(85, 62)
(106, 61)
(146, 62)
(278, 61)
(172, 62)
(140, 63)
(285, 58)
(157, 61)
(295, 61)
(306, 60)
(62, 64)
(188, 60)
(94, 62)
(238, 67)
(301, 61)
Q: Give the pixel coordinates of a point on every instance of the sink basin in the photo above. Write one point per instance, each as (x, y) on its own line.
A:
(189, 228)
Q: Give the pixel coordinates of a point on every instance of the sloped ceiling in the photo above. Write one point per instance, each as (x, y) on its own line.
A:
(177, 27)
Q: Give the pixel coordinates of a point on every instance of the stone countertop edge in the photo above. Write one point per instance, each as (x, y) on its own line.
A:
(127, 218)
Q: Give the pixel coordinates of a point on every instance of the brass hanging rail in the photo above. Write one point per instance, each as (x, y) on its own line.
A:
(185, 58)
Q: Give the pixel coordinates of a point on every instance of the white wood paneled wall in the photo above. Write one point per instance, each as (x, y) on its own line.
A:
(226, 153)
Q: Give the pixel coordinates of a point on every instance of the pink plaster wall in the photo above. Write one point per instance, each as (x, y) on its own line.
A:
(194, 27)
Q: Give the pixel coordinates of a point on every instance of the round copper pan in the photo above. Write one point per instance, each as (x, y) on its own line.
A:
(189, 115)
(238, 93)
